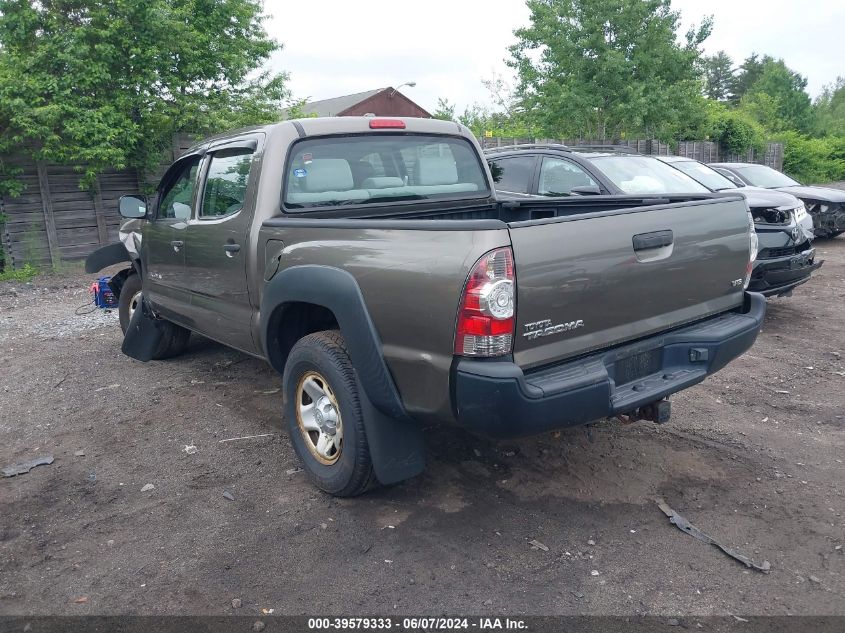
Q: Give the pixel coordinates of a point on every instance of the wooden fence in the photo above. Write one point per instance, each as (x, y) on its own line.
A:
(55, 221)
(705, 151)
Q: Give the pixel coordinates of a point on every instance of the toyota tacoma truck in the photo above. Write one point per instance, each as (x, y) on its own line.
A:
(370, 262)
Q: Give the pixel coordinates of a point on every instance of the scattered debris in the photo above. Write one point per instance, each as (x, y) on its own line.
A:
(781, 391)
(258, 626)
(293, 471)
(815, 580)
(591, 542)
(685, 526)
(246, 437)
(267, 392)
(79, 453)
(488, 602)
(228, 495)
(112, 386)
(595, 572)
(236, 603)
(24, 467)
(267, 611)
(739, 619)
(147, 488)
(190, 449)
(110, 542)
(577, 594)
(535, 544)
(477, 452)
(81, 600)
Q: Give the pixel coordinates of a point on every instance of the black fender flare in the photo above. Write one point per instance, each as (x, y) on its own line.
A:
(335, 290)
(396, 442)
(106, 256)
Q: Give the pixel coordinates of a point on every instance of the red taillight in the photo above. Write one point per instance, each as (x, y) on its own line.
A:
(380, 124)
(486, 315)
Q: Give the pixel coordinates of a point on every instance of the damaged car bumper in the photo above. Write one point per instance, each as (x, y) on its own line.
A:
(778, 271)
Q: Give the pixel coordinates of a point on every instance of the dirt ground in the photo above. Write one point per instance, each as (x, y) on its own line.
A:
(753, 456)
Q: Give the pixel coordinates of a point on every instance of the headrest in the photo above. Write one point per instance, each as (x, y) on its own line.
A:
(327, 174)
(435, 171)
(382, 182)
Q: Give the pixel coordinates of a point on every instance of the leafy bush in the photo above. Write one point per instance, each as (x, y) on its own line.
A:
(21, 274)
(813, 160)
(736, 132)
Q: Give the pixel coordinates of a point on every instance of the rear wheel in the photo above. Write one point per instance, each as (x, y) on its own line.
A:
(175, 338)
(323, 415)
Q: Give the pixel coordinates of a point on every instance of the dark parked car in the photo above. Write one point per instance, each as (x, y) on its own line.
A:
(786, 258)
(825, 204)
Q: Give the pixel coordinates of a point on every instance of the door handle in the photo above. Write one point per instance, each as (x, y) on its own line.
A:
(177, 244)
(231, 249)
(657, 239)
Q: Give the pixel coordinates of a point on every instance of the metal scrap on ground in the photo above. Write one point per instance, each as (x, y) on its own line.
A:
(685, 526)
(25, 467)
(245, 437)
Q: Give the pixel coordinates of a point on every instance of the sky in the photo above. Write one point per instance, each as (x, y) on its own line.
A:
(338, 47)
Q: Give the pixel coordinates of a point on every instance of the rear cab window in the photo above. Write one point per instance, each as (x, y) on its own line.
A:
(371, 169)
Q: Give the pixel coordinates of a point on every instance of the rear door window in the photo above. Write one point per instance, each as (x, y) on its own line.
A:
(367, 169)
(513, 175)
(226, 183)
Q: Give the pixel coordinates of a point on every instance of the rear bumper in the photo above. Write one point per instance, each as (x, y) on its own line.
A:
(781, 274)
(497, 399)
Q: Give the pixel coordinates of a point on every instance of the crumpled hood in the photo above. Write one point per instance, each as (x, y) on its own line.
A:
(760, 197)
(823, 194)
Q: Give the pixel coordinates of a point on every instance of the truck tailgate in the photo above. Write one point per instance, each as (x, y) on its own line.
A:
(590, 281)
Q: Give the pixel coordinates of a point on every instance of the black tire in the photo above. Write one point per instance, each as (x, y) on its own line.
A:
(175, 338)
(325, 354)
(835, 234)
(131, 287)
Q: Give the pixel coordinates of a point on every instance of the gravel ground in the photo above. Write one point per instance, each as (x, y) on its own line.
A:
(128, 519)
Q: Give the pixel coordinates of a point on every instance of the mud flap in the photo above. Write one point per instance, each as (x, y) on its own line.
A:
(144, 334)
(397, 447)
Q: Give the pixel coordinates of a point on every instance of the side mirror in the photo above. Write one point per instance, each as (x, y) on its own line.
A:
(133, 207)
(585, 190)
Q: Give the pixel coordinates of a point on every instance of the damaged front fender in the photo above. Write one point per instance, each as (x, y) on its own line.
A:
(107, 256)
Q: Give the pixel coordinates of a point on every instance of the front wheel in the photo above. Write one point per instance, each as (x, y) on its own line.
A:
(175, 338)
(323, 415)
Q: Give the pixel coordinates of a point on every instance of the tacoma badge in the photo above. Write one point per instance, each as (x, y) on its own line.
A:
(545, 328)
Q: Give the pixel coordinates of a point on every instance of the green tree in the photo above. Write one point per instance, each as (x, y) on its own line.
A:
(746, 76)
(830, 109)
(602, 68)
(718, 76)
(787, 89)
(445, 110)
(106, 83)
